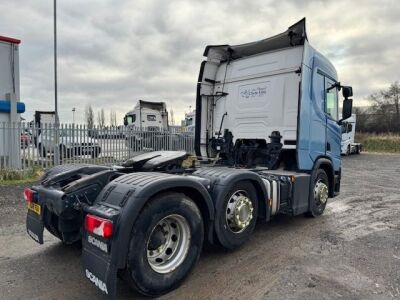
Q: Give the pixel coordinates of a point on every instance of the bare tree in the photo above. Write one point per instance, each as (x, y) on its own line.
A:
(392, 97)
(89, 116)
(386, 108)
(101, 119)
(172, 117)
(113, 118)
(362, 119)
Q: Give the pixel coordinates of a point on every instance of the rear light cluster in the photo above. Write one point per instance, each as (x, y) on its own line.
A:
(30, 195)
(99, 226)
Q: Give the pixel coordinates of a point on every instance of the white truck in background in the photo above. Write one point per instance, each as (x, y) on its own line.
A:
(348, 132)
(189, 123)
(143, 123)
(151, 116)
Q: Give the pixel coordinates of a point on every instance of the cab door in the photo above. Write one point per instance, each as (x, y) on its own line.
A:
(333, 130)
(317, 139)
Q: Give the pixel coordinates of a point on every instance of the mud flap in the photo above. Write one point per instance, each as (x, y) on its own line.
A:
(100, 272)
(34, 226)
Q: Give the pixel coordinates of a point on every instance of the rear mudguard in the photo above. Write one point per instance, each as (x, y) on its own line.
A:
(222, 179)
(121, 201)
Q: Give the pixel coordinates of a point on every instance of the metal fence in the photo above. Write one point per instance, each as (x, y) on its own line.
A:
(24, 146)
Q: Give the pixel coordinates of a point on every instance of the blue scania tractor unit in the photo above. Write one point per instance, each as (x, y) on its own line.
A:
(267, 141)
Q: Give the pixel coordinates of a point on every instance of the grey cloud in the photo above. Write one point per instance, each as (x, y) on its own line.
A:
(112, 53)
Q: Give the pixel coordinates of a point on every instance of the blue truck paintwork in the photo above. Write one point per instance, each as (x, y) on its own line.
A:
(316, 128)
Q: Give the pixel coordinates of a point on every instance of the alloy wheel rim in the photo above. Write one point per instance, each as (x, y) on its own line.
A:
(168, 244)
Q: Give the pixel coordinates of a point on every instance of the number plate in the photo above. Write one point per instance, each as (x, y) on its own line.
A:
(34, 207)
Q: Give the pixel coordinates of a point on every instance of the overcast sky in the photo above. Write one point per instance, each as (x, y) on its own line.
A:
(112, 53)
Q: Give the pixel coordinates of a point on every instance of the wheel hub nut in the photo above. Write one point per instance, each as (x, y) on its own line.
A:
(239, 212)
(321, 192)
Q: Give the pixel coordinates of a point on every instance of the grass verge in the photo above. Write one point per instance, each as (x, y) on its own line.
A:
(12, 177)
(381, 143)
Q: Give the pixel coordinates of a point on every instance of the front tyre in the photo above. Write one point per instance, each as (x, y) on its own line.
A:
(166, 242)
(319, 194)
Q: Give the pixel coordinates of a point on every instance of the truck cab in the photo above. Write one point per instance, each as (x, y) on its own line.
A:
(146, 115)
(348, 146)
(190, 121)
(271, 103)
(144, 124)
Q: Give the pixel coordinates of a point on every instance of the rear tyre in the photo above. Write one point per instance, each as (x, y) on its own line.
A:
(318, 194)
(236, 215)
(166, 242)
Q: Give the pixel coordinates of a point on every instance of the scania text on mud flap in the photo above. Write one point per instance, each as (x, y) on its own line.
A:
(267, 141)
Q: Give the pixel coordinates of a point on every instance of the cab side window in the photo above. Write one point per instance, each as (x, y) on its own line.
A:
(319, 91)
(151, 117)
(331, 99)
(349, 127)
(131, 119)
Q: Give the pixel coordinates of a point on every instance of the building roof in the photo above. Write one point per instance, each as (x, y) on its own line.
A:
(9, 40)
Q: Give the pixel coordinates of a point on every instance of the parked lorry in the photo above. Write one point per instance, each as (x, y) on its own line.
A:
(148, 115)
(267, 140)
(145, 117)
(348, 145)
(190, 121)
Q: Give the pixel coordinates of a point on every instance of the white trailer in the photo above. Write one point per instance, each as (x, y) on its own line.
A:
(348, 133)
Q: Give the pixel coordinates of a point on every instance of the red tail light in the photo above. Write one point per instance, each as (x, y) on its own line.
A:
(99, 226)
(29, 195)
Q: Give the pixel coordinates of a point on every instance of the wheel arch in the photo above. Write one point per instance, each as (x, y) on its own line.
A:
(262, 196)
(140, 195)
(325, 164)
(224, 179)
(206, 207)
(220, 192)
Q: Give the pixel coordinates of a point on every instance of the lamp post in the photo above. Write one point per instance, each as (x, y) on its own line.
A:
(73, 115)
(55, 61)
(56, 148)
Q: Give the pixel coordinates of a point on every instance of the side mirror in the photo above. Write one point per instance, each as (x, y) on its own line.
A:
(347, 109)
(347, 92)
(125, 121)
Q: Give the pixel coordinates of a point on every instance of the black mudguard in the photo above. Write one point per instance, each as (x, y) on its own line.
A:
(100, 271)
(121, 201)
(223, 179)
(61, 194)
